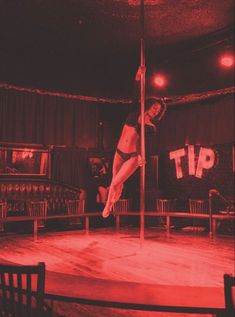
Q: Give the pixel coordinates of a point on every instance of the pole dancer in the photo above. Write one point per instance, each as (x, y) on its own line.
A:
(130, 152)
(128, 155)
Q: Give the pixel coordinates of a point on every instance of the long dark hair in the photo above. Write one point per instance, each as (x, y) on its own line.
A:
(150, 101)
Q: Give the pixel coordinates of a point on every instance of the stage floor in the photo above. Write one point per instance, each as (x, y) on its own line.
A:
(178, 258)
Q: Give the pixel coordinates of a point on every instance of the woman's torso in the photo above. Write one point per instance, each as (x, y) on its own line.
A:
(129, 140)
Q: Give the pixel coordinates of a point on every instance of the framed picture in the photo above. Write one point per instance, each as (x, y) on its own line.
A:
(17, 161)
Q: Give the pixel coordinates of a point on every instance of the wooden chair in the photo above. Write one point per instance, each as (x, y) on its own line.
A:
(122, 205)
(22, 291)
(229, 295)
(3, 214)
(163, 205)
(74, 207)
(38, 208)
(198, 206)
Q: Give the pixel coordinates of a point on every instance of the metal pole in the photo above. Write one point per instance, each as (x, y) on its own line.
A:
(142, 136)
(210, 213)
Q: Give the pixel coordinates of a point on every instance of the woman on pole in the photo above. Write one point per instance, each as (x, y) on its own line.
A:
(127, 157)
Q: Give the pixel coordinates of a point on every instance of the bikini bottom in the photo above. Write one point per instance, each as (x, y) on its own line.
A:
(126, 156)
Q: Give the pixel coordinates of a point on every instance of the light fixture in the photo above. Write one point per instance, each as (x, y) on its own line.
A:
(159, 80)
(227, 60)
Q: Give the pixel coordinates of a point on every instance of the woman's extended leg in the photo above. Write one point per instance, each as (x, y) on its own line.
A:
(117, 163)
(126, 169)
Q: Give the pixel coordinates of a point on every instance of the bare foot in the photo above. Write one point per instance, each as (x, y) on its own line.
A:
(106, 212)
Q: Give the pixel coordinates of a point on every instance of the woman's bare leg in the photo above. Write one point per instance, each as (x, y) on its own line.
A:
(127, 168)
(117, 163)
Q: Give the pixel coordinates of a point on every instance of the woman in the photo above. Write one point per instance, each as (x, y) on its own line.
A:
(127, 157)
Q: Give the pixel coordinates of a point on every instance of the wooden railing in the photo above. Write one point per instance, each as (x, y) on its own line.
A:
(87, 215)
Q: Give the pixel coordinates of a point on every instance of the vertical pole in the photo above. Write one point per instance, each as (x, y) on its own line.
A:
(168, 223)
(117, 223)
(50, 149)
(35, 229)
(87, 224)
(142, 136)
(210, 214)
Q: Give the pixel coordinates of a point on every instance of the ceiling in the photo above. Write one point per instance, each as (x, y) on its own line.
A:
(92, 47)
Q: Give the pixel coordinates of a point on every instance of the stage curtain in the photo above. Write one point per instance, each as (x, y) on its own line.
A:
(42, 119)
(205, 123)
(69, 166)
(31, 118)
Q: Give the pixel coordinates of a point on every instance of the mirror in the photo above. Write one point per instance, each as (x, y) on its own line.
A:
(23, 161)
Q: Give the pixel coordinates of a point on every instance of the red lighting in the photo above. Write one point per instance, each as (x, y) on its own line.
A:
(159, 80)
(227, 60)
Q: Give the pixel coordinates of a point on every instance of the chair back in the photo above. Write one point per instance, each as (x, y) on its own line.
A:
(229, 294)
(198, 206)
(22, 290)
(3, 209)
(164, 205)
(3, 213)
(122, 205)
(75, 206)
(38, 208)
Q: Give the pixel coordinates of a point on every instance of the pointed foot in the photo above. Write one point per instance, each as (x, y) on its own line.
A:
(105, 213)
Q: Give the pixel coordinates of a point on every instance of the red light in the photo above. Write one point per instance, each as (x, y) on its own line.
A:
(159, 80)
(227, 60)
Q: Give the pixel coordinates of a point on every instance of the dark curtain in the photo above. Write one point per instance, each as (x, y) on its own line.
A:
(42, 119)
(69, 166)
(205, 123)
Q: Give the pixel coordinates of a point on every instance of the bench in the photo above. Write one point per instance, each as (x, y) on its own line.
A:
(17, 192)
